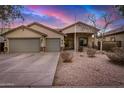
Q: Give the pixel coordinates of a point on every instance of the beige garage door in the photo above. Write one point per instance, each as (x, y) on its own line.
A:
(24, 45)
(53, 44)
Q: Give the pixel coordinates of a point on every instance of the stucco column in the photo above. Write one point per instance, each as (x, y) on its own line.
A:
(75, 43)
(43, 43)
(6, 45)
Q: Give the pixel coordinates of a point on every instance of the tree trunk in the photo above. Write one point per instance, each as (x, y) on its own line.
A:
(101, 45)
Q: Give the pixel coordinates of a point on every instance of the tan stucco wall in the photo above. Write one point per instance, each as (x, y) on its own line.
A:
(81, 35)
(22, 33)
(50, 34)
(80, 29)
(118, 37)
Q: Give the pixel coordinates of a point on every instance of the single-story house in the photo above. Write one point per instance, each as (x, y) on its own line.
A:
(37, 37)
(116, 35)
(78, 35)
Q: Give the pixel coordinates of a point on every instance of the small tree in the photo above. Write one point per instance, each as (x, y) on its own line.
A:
(107, 19)
(8, 13)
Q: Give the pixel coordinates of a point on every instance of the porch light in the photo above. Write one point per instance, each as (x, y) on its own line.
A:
(93, 36)
(98, 34)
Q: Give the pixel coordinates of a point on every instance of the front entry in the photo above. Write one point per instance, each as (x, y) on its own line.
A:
(83, 42)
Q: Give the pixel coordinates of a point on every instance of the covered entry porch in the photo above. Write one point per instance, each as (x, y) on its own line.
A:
(78, 40)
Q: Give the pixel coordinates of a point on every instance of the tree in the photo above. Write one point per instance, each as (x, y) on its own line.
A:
(8, 13)
(107, 19)
(121, 9)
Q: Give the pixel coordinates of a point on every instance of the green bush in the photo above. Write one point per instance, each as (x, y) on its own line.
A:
(80, 49)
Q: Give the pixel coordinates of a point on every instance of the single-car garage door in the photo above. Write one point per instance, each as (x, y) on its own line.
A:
(53, 44)
(24, 45)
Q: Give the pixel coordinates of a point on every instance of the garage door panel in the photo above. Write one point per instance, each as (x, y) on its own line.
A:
(24, 45)
(53, 44)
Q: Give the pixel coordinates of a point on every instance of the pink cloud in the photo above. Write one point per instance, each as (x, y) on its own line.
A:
(58, 15)
(49, 11)
(33, 6)
(100, 22)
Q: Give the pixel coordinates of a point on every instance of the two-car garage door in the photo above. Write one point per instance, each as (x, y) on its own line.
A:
(24, 45)
(33, 45)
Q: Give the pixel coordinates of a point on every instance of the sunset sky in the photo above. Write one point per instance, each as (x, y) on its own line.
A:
(61, 16)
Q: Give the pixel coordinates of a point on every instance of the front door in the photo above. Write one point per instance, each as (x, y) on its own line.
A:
(82, 42)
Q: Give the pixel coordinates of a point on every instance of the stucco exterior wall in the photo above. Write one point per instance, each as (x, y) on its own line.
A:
(90, 40)
(22, 33)
(79, 29)
(50, 34)
(79, 35)
(118, 37)
(82, 31)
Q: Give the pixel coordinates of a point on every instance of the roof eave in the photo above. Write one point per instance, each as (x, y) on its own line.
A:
(35, 23)
(78, 23)
(22, 26)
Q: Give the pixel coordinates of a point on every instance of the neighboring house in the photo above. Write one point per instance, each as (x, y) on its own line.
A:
(2, 30)
(37, 37)
(1, 39)
(116, 35)
(1, 44)
(83, 35)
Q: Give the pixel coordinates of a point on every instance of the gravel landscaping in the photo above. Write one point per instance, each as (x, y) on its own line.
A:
(89, 72)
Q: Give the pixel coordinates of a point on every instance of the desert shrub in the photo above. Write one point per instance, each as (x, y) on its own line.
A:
(118, 49)
(117, 56)
(108, 46)
(80, 49)
(66, 56)
(95, 47)
(91, 52)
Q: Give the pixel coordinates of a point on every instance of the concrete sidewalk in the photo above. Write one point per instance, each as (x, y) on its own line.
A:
(29, 70)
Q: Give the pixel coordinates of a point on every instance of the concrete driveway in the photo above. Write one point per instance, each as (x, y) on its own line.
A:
(28, 70)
